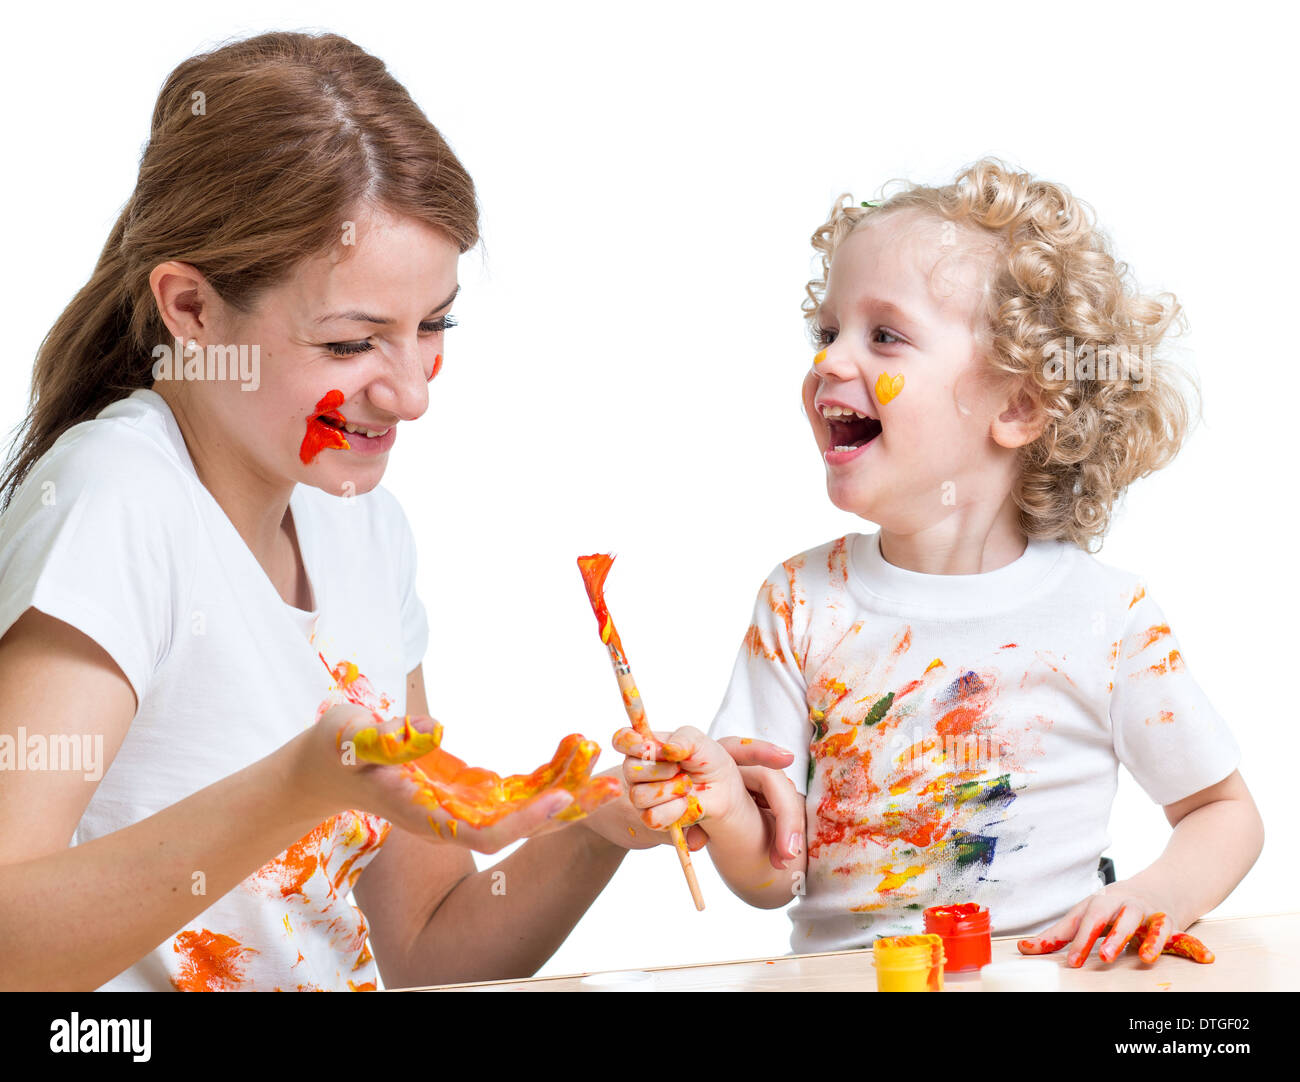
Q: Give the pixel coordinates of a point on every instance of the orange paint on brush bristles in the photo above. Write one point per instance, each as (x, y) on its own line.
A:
(595, 569)
(320, 435)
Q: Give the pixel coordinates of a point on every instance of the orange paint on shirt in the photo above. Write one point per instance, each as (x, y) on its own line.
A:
(1150, 635)
(321, 435)
(210, 962)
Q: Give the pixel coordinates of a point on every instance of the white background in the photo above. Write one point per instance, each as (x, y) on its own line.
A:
(627, 369)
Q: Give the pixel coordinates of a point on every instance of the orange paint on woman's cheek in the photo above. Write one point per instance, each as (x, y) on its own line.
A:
(319, 435)
(437, 367)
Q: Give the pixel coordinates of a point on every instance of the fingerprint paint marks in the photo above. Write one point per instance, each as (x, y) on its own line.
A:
(758, 646)
(1166, 665)
(1152, 634)
(319, 435)
(355, 687)
(210, 962)
(888, 387)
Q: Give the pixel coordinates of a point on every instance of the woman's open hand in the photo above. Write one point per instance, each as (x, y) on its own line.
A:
(395, 767)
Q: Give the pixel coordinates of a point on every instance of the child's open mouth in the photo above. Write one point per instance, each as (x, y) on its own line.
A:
(849, 429)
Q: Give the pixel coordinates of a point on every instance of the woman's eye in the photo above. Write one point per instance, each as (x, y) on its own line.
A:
(348, 349)
(351, 349)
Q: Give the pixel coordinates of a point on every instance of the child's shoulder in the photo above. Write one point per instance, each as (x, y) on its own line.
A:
(826, 565)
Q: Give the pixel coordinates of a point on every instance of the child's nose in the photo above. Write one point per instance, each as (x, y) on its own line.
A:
(831, 362)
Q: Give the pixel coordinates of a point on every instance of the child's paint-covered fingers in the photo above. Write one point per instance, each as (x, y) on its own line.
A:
(1058, 935)
(662, 816)
(1126, 925)
(1094, 923)
(628, 741)
(1156, 931)
(653, 793)
(636, 771)
(1183, 945)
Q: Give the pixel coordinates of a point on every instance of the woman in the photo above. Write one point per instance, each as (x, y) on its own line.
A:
(195, 623)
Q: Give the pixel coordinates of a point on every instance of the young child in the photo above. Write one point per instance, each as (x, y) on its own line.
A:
(957, 688)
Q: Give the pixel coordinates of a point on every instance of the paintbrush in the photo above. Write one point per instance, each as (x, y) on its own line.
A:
(594, 569)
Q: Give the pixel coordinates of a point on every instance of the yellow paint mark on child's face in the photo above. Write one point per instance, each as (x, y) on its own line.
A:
(819, 358)
(888, 387)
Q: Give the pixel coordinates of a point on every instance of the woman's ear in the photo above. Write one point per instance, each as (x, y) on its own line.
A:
(1019, 422)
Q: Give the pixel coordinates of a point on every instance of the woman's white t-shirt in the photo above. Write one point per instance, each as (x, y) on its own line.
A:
(114, 533)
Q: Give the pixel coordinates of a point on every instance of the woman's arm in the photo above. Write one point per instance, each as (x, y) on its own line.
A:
(72, 918)
(435, 919)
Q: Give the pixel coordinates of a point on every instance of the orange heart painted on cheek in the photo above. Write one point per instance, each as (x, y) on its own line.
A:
(888, 387)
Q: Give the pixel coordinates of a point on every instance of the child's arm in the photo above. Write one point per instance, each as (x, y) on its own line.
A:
(1218, 835)
(742, 840)
(1172, 740)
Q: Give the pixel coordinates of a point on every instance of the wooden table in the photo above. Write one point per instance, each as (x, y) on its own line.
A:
(1251, 954)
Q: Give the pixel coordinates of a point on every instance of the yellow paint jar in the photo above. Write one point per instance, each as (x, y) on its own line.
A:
(909, 963)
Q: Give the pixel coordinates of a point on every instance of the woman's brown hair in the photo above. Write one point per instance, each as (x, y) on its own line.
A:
(258, 152)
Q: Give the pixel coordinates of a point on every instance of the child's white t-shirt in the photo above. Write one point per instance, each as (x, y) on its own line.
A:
(114, 533)
(957, 736)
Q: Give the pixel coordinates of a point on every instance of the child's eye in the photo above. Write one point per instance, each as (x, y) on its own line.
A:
(891, 334)
(823, 336)
(351, 349)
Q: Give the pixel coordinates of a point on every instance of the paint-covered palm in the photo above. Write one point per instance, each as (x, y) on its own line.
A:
(400, 764)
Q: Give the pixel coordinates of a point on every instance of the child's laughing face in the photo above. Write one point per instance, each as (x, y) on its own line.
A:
(907, 425)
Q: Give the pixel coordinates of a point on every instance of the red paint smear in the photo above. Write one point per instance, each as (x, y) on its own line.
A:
(1041, 946)
(320, 435)
(210, 962)
(594, 570)
(437, 367)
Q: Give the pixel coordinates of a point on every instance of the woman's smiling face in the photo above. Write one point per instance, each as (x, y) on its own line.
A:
(896, 384)
(366, 321)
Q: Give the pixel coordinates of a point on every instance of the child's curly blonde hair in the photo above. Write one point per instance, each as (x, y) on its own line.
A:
(1060, 320)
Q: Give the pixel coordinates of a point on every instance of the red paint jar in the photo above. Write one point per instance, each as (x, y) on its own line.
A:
(965, 932)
